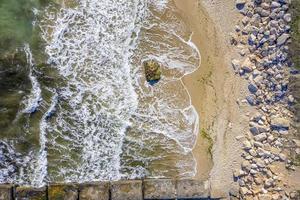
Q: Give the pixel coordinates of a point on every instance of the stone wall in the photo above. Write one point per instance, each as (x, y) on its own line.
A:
(117, 190)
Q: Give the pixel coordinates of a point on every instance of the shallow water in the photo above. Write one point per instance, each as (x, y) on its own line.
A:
(88, 113)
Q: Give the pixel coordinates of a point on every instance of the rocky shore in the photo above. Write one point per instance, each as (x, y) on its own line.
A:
(262, 38)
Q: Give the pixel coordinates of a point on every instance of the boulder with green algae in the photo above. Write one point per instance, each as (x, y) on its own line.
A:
(62, 192)
(94, 191)
(6, 192)
(152, 70)
(31, 193)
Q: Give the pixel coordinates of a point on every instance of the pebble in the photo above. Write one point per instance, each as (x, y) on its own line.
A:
(282, 39)
(264, 33)
(252, 88)
(247, 145)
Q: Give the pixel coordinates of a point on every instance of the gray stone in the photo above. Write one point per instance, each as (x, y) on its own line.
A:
(247, 145)
(126, 190)
(282, 39)
(261, 137)
(94, 191)
(240, 3)
(31, 193)
(188, 188)
(251, 99)
(254, 130)
(287, 17)
(279, 122)
(275, 4)
(62, 191)
(159, 189)
(6, 192)
(252, 88)
(235, 64)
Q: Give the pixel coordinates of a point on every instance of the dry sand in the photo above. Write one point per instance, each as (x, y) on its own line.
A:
(214, 89)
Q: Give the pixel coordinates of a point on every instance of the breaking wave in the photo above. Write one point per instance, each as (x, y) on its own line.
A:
(104, 121)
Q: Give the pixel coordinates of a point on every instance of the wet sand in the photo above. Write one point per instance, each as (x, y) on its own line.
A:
(214, 89)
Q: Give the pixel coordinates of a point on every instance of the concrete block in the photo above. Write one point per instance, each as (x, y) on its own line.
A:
(127, 190)
(6, 192)
(160, 189)
(94, 191)
(62, 192)
(189, 188)
(30, 193)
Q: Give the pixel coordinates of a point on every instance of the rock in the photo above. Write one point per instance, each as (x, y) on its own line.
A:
(159, 189)
(247, 65)
(31, 193)
(282, 39)
(260, 163)
(189, 188)
(244, 190)
(94, 191)
(62, 191)
(287, 17)
(240, 4)
(279, 122)
(258, 180)
(252, 88)
(291, 99)
(269, 182)
(152, 70)
(261, 137)
(254, 130)
(126, 190)
(6, 192)
(246, 165)
(282, 157)
(275, 4)
(251, 100)
(235, 64)
(247, 145)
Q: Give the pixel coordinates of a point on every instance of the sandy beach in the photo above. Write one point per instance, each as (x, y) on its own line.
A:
(218, 93)
(213, 89)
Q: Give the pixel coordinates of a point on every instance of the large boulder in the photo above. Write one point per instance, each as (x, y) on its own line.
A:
(152, 70)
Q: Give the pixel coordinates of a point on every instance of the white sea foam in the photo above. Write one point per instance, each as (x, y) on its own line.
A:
(109, 123)
(35, 97)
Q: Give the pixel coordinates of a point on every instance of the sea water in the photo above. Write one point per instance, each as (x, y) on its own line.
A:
(98, 118)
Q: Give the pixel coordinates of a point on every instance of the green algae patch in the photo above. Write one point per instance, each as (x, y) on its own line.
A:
(205, 135)
(295, 33)
(62, 192)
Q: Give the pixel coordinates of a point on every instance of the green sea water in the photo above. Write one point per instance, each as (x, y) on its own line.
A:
(87, 125)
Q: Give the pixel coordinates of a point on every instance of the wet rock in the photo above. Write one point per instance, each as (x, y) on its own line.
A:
(94, 191)
(62, 191)
(188, 188)
(31, 193)
(152, 71)
(159, 189)
(126, 190)
(6, 192)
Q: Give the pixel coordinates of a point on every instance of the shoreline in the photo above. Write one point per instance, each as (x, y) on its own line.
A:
(221, 98)
(214, 89)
